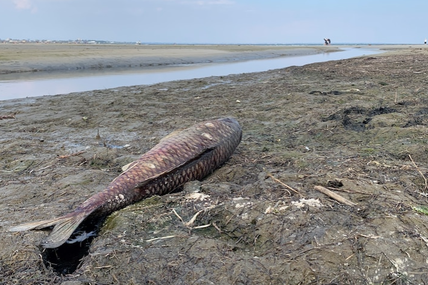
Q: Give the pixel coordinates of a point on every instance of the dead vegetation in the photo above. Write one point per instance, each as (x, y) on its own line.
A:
(356, 128)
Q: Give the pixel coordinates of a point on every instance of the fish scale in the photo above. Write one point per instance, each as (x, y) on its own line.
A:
(187, 155)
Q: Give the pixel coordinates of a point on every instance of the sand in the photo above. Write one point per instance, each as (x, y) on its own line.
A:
(353, 126)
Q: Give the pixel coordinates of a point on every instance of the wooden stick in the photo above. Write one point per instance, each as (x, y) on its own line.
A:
(282, 183)
(335, 196)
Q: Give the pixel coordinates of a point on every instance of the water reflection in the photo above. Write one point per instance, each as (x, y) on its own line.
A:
(11, 87)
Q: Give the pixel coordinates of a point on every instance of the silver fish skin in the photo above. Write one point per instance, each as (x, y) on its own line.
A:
(190, 154)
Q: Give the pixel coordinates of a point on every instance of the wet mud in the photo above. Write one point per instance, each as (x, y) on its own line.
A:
(357, 127)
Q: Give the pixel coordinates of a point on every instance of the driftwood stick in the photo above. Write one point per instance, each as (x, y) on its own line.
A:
(282, 183)
(335, 196)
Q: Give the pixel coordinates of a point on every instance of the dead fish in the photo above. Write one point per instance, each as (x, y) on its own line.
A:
(184, 156)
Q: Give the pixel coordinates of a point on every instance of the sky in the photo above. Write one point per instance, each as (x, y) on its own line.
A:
(217, 21)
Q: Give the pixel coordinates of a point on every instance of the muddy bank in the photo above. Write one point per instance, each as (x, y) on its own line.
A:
(351, 126)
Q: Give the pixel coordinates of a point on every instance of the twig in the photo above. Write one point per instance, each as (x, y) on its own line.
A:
(160, 238)
(4, 117)
(69, 155)
(350, 256)
(103, 267)
(335, 196)
(420, 172)
(178, 216)
(190, 223)
(202, 227)
(114, 277)
(369, 236)
(43, 168)
(282, 183)
(218, 229)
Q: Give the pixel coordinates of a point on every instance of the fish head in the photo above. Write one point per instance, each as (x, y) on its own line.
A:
(233, 124)
(230, 121)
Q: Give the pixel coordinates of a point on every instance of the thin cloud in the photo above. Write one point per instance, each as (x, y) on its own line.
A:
(25, 5)
(22, 4)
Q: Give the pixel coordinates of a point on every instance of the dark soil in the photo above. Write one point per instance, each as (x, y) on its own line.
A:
(353, 126)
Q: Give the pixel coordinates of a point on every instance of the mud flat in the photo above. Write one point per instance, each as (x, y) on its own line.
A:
(357, 127)
(22, 58)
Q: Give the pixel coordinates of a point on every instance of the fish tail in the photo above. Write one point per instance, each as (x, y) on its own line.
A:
(63, 228)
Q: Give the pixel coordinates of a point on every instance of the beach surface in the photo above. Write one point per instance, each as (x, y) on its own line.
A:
(357, 127)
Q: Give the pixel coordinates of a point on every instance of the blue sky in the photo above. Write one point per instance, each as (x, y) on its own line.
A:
(217, 21)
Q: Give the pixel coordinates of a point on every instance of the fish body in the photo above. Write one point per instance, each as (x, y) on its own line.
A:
(184, 156)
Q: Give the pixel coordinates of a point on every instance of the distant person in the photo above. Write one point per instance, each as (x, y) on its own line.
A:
(329, 42)
(425, 42)
(326, 42)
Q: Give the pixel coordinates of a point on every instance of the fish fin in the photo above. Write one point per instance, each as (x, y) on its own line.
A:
(63, 228)
(35, 225)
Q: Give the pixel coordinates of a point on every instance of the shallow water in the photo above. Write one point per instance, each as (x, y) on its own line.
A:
(12, 88)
